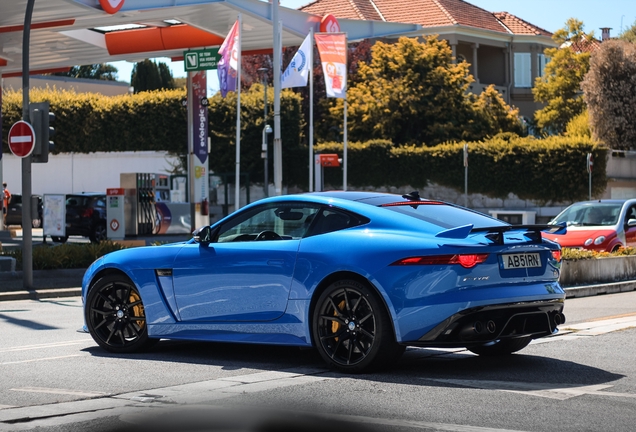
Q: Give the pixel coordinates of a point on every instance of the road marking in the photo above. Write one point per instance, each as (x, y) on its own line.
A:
(546, 390)
(40, 359)
(48, 345)
(599, 327)
(59, 391)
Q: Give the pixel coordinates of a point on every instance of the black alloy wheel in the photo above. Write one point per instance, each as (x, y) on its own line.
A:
(352, 330)
(115, 316)
(501, 347)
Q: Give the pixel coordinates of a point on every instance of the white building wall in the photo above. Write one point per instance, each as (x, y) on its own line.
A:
(81, 172)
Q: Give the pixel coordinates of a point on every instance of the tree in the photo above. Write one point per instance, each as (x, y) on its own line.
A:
(495, 115)
(560, 87)
(629, 34)
(410, 93)
(101, 71)
(610, 91)
(148, 75)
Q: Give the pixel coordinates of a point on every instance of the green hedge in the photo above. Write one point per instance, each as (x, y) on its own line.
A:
(152, 121)
(547, 170)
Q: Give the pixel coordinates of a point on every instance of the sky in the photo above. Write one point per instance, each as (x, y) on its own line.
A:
(550, 15)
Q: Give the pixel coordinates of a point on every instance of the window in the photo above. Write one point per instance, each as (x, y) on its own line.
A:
(284, 221)
(523, 70)
(542, 61)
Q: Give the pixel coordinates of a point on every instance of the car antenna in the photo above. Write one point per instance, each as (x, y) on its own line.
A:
(412, 196)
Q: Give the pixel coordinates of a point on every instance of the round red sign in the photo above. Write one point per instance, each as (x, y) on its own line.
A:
(21, 139)
(329, 24)
(111, 6)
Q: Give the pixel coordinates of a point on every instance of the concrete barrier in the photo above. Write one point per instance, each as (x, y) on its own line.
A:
(598, 270)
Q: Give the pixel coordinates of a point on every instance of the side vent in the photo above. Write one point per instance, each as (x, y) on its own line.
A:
(163, 272)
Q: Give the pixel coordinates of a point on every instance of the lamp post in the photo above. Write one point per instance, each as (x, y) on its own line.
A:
(267, 129)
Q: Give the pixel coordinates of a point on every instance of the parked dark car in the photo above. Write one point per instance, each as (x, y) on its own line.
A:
(85, 216)
(14, 212)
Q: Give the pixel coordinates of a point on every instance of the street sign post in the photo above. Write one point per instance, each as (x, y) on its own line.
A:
(202, 59)
(21, 139)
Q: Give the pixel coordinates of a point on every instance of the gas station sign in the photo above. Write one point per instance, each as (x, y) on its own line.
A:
(202, 59)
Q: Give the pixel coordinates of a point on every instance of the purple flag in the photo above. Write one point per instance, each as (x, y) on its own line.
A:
(227, 67)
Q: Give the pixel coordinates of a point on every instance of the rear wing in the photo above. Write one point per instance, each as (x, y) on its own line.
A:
(496, 234)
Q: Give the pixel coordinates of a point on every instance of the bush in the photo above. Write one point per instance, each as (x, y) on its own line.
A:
(571, 254)
(65, 256)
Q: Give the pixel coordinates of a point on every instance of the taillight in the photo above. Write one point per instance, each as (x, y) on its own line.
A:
(86, 213)
(465, 260)
(556, 254)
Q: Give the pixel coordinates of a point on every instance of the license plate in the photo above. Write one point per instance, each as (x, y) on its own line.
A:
(521, 260)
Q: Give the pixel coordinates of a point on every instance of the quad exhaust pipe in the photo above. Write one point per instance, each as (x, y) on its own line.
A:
(478, 328)
(558, 319)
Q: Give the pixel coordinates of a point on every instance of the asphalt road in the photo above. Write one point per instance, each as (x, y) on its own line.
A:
(57, 379)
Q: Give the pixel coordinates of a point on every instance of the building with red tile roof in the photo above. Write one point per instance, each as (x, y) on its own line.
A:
(502, 49)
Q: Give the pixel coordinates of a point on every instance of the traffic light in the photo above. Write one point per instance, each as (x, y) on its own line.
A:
(42, 121)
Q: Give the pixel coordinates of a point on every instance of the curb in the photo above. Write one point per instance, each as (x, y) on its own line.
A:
(39, 294)
(600, 289)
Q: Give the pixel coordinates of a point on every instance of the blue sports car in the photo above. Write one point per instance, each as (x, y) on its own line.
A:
(357, 275)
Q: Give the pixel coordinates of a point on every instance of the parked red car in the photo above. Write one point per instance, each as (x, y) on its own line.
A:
(603, 225)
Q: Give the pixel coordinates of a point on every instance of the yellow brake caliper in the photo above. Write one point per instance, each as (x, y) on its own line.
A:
(138, 309)
(335, 326)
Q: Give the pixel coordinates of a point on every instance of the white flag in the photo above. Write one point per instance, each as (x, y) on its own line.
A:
(297, 71)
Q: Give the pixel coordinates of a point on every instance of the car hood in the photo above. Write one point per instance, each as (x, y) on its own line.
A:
(576, 236)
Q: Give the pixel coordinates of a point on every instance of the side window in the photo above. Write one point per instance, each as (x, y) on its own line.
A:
(286, 221)
(330, 220)
(631, 213)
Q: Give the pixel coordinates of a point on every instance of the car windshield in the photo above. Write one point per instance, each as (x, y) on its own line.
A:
(437, 213)
(589, 214)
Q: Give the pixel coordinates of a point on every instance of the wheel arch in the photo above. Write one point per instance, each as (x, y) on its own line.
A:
(346, 275)
(107, 272)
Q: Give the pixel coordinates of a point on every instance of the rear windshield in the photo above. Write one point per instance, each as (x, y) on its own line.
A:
(437, 213)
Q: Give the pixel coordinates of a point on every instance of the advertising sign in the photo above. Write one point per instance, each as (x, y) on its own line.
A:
(333, 55)
(203, 59)
(54, 215)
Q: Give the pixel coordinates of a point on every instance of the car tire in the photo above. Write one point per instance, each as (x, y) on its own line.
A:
(501, 347)
(59, 239)
(352, 330)
(115, 316)
(99, 234)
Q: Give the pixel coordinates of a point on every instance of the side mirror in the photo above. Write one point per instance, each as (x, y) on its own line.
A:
(203, 235)
(631, 222)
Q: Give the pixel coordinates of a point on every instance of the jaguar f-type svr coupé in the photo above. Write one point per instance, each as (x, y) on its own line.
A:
(357, 275)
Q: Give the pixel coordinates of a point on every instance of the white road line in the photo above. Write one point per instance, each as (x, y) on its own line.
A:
(40, 359)
(545, 390)
(59, 391)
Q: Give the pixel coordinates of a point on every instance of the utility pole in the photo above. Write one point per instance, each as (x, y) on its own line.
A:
(27, 239)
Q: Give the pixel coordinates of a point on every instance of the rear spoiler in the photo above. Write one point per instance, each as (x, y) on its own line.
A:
(496, 234)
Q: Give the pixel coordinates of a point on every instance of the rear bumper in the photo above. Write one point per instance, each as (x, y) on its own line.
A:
(479, 325)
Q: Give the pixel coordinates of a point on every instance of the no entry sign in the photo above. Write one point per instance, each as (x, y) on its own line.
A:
(21, 139)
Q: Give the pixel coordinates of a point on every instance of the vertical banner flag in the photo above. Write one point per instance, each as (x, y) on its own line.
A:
(333, 55)
(297, 72)
(227, 67)
(199, 92)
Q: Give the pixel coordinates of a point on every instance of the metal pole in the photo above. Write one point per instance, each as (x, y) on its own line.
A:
(465, 175)
(278, 149)
(237, 191)
(27, 240)
(344, 156)
(264, 148)
(191, 173)
(311, 111)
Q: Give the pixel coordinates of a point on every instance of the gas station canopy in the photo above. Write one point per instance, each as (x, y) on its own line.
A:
(66, 33)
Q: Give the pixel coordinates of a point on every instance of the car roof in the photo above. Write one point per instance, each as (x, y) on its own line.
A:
(87, 194)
